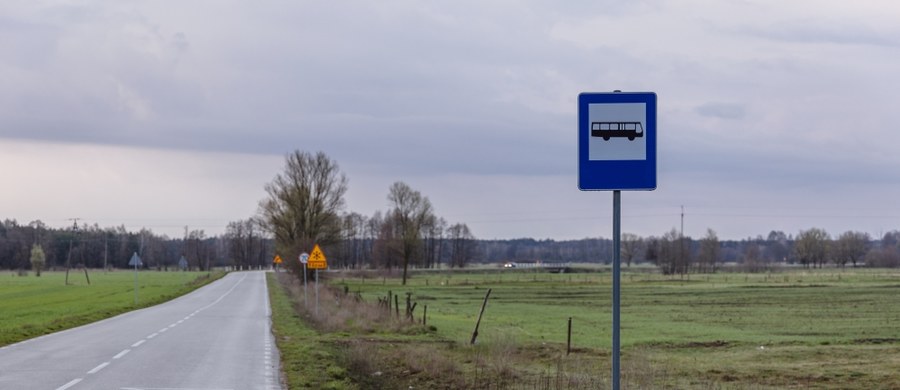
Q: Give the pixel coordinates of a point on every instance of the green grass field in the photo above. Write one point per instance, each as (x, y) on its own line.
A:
(32, 306)
(793, 329)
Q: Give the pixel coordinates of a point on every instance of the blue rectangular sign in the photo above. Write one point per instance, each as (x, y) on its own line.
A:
(617, 141)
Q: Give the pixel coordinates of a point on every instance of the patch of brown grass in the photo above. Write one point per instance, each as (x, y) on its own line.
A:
(384, 364)
(345, 312)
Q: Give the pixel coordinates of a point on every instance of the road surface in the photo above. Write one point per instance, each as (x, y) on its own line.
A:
(216, 338)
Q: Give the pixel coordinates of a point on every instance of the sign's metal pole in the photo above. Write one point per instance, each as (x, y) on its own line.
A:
(317, 292)
(617, 237)
(305, 296)
(135, 284)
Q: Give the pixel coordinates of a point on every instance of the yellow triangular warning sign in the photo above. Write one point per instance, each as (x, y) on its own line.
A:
(277, 259)
(317, 259)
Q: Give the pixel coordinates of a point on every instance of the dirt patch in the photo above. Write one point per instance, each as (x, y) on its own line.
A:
(787, 286)
(691, 345)
(877, 341)
(707, 344)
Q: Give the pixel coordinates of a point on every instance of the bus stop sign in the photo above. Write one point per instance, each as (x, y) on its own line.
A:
(617, 141)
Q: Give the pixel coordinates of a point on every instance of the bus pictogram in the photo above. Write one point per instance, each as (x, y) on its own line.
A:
(607, 130)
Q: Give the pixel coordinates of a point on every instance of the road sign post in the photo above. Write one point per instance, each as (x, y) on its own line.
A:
(135, 261)
(317, 261)
(317, 292)
(617, 268)
(183, 263)
(276, 262)
(616, 152)
(304, 257)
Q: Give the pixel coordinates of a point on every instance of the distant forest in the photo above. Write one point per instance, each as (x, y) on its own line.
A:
(246, 245)
(95, 247)
(676, 254)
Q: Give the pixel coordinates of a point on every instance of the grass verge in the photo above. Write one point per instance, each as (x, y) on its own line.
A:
(308, 360)
(35, 306)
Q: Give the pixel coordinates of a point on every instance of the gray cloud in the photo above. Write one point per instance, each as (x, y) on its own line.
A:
(837, 31)
(721, 110)
(768, 96)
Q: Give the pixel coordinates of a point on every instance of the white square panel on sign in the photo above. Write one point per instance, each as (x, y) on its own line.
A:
(617, 131)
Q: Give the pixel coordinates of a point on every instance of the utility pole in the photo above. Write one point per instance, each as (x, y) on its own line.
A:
(71, 241)
(681, 255)
(105, 251)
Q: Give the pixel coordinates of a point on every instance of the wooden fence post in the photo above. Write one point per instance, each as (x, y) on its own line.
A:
(477, 324)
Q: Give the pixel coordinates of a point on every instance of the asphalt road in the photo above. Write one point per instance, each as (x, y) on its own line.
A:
(216, 338)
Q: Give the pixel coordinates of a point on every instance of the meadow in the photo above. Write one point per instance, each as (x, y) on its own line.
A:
(31, 306)
(794, 328)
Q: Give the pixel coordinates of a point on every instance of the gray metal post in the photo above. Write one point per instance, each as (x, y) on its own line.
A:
(305, 296)
(135, 284)
(317, 292)
(617, 242)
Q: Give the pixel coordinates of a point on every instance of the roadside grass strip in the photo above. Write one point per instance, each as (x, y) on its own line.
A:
(307, 358)
(33, 306)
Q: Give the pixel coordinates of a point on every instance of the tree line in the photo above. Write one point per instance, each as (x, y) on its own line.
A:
(376, 243)
(89, 245)
(305, 206)
(673, 253)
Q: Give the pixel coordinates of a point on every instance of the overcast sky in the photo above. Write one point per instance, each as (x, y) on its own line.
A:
(773, 115)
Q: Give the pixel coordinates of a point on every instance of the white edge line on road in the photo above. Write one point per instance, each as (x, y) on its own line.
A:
(163, 330)
(138, 344)
(70, 384)
(98, 368)
(166, 388)
(153, 335)
(120, 354)
(221, 297)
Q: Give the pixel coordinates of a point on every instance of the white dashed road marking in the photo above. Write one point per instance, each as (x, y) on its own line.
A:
(98, 368)
(163, 330)
(70, 384)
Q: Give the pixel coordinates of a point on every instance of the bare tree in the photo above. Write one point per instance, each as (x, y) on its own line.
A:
(37, 259)
(850, 246)
(387, 248)
(244, 244)
(651, 250)
(411, 211)
(462, 245)
(434, 241)
(631, 245)
(811, 247)
(709, 251)
(304, 204)
(196, 250)
(352, 240)
(665, 252)
(777, 247)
